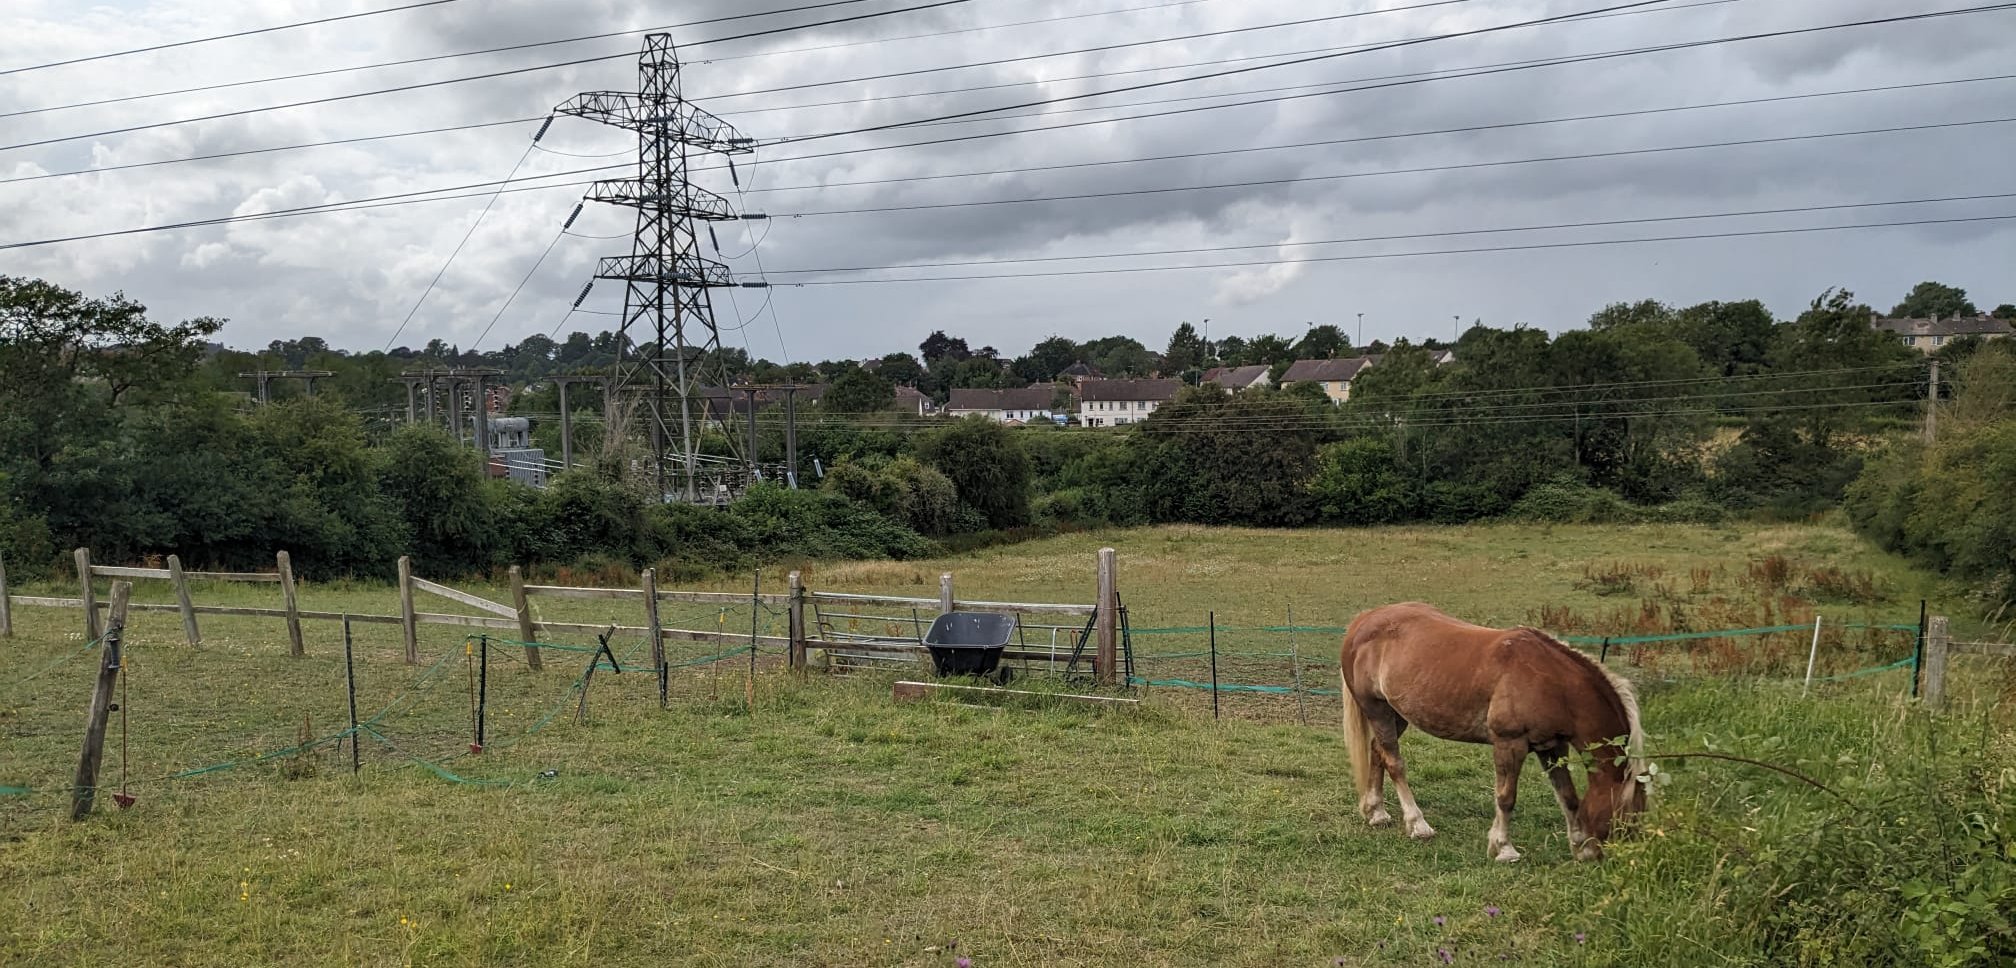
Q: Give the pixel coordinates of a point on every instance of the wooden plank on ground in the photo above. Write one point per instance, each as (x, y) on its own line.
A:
(913, 691)
(462, 597)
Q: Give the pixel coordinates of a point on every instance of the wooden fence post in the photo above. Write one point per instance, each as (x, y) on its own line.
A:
(85, 792)
(946, 602)
(6, 607)
(651, 628)
(1108, 618)
(295, 647)
(90, 598)
(1938, 639)
(526, 630)
(408, 623)
(182, 601)
(795, 611)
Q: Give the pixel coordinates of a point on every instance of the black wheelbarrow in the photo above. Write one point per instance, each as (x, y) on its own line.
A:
(969, 643)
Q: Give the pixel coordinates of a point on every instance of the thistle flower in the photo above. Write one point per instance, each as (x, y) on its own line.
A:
(1491, 911)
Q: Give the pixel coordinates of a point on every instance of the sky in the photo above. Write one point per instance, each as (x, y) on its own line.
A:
(366, 279)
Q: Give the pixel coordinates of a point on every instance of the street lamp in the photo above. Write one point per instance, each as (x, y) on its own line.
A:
(1361, 331)
(1456, 331)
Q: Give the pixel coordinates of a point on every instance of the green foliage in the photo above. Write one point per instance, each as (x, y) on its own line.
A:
(778, 524)
(1200, 458)
(1570, 501)
(986, 462)
(443, 498)
(859, 391)
(902, 490)
(1928, 299)
(1185, 352)
(1047, 359)
(1360, 481)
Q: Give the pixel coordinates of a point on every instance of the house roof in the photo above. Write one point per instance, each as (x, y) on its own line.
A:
(1158, 391)
(1037, 397)
(1080, 368)
(1440, 357)
(1950, 326)
(1235, 377)
(1325, 371)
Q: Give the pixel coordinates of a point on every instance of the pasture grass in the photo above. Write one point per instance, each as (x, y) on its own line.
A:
(827, 826)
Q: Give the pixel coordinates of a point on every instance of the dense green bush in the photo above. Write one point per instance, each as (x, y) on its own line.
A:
(988, 466)
(901, 489)
(1360, 481)
(1569, 501)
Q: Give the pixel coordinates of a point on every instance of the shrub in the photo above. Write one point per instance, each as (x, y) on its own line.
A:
(902, 489)
(1361, 482)
(986, 464)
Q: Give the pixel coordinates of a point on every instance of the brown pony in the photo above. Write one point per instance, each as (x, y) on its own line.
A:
(1520, 690)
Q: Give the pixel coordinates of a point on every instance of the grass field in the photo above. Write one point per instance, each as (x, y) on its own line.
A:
(826, 826)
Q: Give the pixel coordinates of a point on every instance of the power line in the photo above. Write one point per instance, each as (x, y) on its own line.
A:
(485, 124)
(422, 85)
(588, 37)
(240, 33)
(1604, 223)
(466, 236)
(1687, 45)
(1301, 179)
(1407, 255)
(1186, 64)
(1224, 32)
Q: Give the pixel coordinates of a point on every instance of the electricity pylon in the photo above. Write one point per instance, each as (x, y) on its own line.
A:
(666, 281)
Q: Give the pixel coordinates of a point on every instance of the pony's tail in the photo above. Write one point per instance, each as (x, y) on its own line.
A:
(1358, 739)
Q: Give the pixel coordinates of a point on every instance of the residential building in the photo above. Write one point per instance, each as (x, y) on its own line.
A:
(1927, 335)
(1237, 378)
(1022, 406)
(1079, 372)
(912, 400)
(1442, 357)
(1333, 376)
(1115, 403)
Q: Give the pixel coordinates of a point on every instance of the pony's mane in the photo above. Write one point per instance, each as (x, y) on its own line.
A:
(1626, 697)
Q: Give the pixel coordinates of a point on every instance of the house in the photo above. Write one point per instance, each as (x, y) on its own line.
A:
(1927, 335)
(1333, 376)
(912, 400)
(1114, 403)
(1237, 378)
(1442, 357)
(1006, 406)
(1079, 372)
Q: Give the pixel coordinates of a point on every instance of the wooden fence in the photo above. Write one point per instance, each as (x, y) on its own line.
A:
(1940, 648)
(1101, 618)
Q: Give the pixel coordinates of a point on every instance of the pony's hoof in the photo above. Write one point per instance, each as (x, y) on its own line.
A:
(1419, 830)
(1589, 851)
(1507, 855)
(1379, 818)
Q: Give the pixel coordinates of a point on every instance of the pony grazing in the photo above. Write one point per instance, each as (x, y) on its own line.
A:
(1519, 690)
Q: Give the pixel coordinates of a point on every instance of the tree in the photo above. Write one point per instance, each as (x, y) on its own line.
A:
(1732, 338)
(901, 369)
(1834, 345)
(1641, 313)
(939, 346)
(988, 466)
(1049, 358)
(1323, 342)
(1199, 458)
(1119, 356)
(1360, 481)
(859, 391)
(2005, 311)
(1186, 350)
(1934, 299)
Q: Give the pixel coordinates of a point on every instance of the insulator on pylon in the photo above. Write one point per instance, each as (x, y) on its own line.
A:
(542, 129)
(755, 285)
(716, 238)
(564, 226)
(732, 176)
(754, 216)
(578, 300)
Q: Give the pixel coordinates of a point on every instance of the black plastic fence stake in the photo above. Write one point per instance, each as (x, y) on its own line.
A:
(350, 676)
(1212, 622)
(1918, 654)
(1605, 656)
(482, 688)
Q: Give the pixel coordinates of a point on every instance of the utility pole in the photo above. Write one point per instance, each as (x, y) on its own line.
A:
(1361, 332)
(1932, 405)
(666, 281)
(1457, 329)
(567, 414)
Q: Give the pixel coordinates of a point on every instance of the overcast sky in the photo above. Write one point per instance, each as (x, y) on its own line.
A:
(352, 277)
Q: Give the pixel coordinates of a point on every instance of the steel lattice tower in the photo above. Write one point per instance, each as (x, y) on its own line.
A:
(666, 281)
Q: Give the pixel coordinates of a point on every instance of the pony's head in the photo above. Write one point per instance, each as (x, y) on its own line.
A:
(1616, 795)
